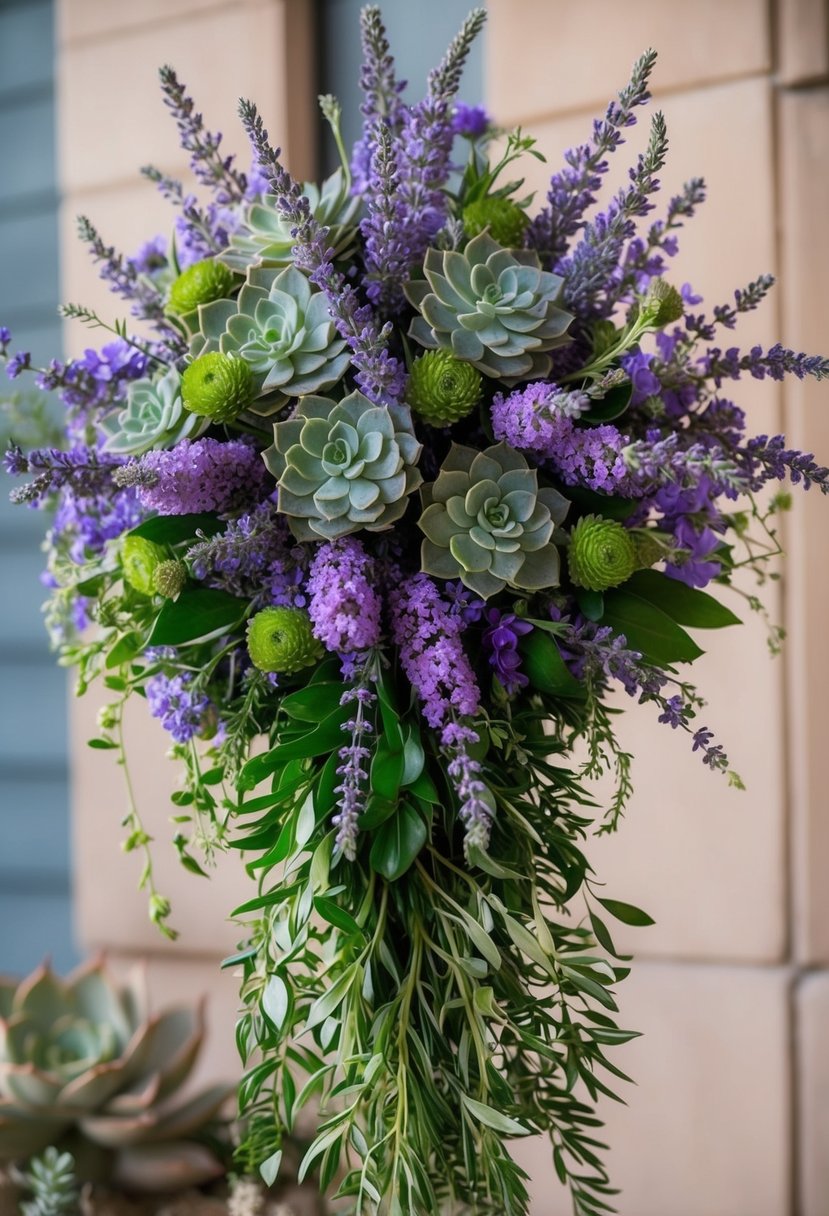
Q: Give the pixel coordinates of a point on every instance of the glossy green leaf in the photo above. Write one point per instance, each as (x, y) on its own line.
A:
(377, 811)
(269, 1169)
(325, 738)
(628, 914)
(611, 406)
(276, 1000)
(545, 668)
(591, 603)
(173, 529)
(425, 789)
(398, 842)
(386, 770)
(199, 612)
(337, 916)
(648, 629)
(496, 1119)
(685, 605)
(314, 702)
(414, 757)
(125, 650)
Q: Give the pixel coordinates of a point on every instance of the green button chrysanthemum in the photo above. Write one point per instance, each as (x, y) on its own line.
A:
(602, 554)
(342, 466)
(282, 640)
(140, 559)
(487, 522)
(282, 328)
(443, 389)
(217, 386)
(505, 220)
(493, 307)
(200, 283)
(153, 417)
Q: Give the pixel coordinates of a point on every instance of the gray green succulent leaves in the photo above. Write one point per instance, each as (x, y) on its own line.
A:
(344, 466)
(493, 307)
(264, 236)
(282, 328)
(153, 417)
(487, 522)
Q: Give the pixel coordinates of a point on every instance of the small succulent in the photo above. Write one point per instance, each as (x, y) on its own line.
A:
(282, 328)
(493, 307)
(200, 283)
(217, 386)
(282, 640)
(153, 417)
(344, 466)
(506, 221)
(50, 1178)
(487, 522)
(264, 236)
(443, 389)
(602, 553)
(81, 1060)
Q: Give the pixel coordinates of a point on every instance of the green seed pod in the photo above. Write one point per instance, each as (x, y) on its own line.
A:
(443, 389)
(169, 578)
(140, 559)
(602, 553)
(201, 283)
(281, 640)
(663, 304)
(505, 220)
(217, 386)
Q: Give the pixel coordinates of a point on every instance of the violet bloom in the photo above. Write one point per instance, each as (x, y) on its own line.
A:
(501, 643)
(199, 475)
(180, 708)
(344, 605)
(18, 364)
(643, 381)
(353, 772)
(470, 121)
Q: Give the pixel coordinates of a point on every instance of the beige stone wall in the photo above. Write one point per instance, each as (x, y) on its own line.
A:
(730, 1116)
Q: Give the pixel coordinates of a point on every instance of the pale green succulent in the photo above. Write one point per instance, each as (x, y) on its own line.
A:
(487, 522)
(264, 236)
(81, 1062)
(283, 330)
(153, 417)
(344, 466)
(493, 307)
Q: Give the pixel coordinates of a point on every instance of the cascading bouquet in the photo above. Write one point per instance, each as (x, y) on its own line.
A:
(399, 485)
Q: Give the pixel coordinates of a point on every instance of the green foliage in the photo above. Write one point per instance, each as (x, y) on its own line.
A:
(50, 1177)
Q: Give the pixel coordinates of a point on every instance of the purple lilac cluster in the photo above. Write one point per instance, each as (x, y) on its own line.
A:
(343, 601)
(428, 636)
(86, 523)
(199, 475)
(180, 707)
(500, 640)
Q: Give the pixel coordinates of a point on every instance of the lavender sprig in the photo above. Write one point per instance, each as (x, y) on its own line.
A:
(770, 460)
(644, 258)
(387, 251)
(121, 274)
(746, 300)
(352, 769)
(778, 361)
(86, 470)
(210, 167)
(381, 92)
(380, 375)
(573, 190)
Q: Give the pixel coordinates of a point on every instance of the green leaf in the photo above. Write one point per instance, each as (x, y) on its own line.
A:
(685, 605)
(386, 770)
(545, 668)
(325, 738)
(337, 916)
(332, 998)
(648, 629)
(425, 789)
(490, 1117)
(269, 1169)
(414, 757)
(397, 843)
(102, 745)
(614, 403)
(199, 612)
(591, 603)
(124, 650)
(313, 703)
(628, 914)
(173, 529)
(377, 811)
(591, 502)
(276, 1000)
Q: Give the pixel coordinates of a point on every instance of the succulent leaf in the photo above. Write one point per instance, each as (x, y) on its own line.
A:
(153, 417)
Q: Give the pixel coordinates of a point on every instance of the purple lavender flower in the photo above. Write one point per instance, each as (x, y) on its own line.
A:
(470, 121)
(84, 524)
(18, 364)
(381, 93)
(86, 470)
(5, 339)
(344, 605)
(501, 644)
(151, 255)
(181, 708)
(643, 380)
(353, 772)
(199, 475)
(466, 775)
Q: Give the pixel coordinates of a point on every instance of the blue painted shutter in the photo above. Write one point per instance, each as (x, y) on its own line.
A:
(34, 850)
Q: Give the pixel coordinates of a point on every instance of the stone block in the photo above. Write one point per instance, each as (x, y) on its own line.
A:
(547, 59)
(801, 41)
(812, 1087)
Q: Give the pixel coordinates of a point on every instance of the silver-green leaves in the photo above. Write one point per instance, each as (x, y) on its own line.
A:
(487, 522)
(153, 417)
(496, 308)
(344, 466)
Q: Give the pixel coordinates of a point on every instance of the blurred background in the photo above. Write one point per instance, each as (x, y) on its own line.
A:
(730, 1116)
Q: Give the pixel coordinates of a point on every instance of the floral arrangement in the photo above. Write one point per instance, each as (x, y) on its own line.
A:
(384, 489)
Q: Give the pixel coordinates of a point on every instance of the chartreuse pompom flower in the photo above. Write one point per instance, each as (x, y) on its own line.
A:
(282, 640)
(140, 558)
(200, 284)
(153, 417)
(281, 327)
(169, 578)
(487, 522)
(217, 386)
(505, 220)
(342, 466)
(493, 307)
(602, 554)
(443, 389)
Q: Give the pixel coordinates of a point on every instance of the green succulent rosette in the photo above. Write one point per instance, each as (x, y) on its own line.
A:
(153, 417)
(602, 554)
(282, 328)
(443, 389)
(282, 640)
(493, 307)
(264, 236)
(343, 466)
(487, 522)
